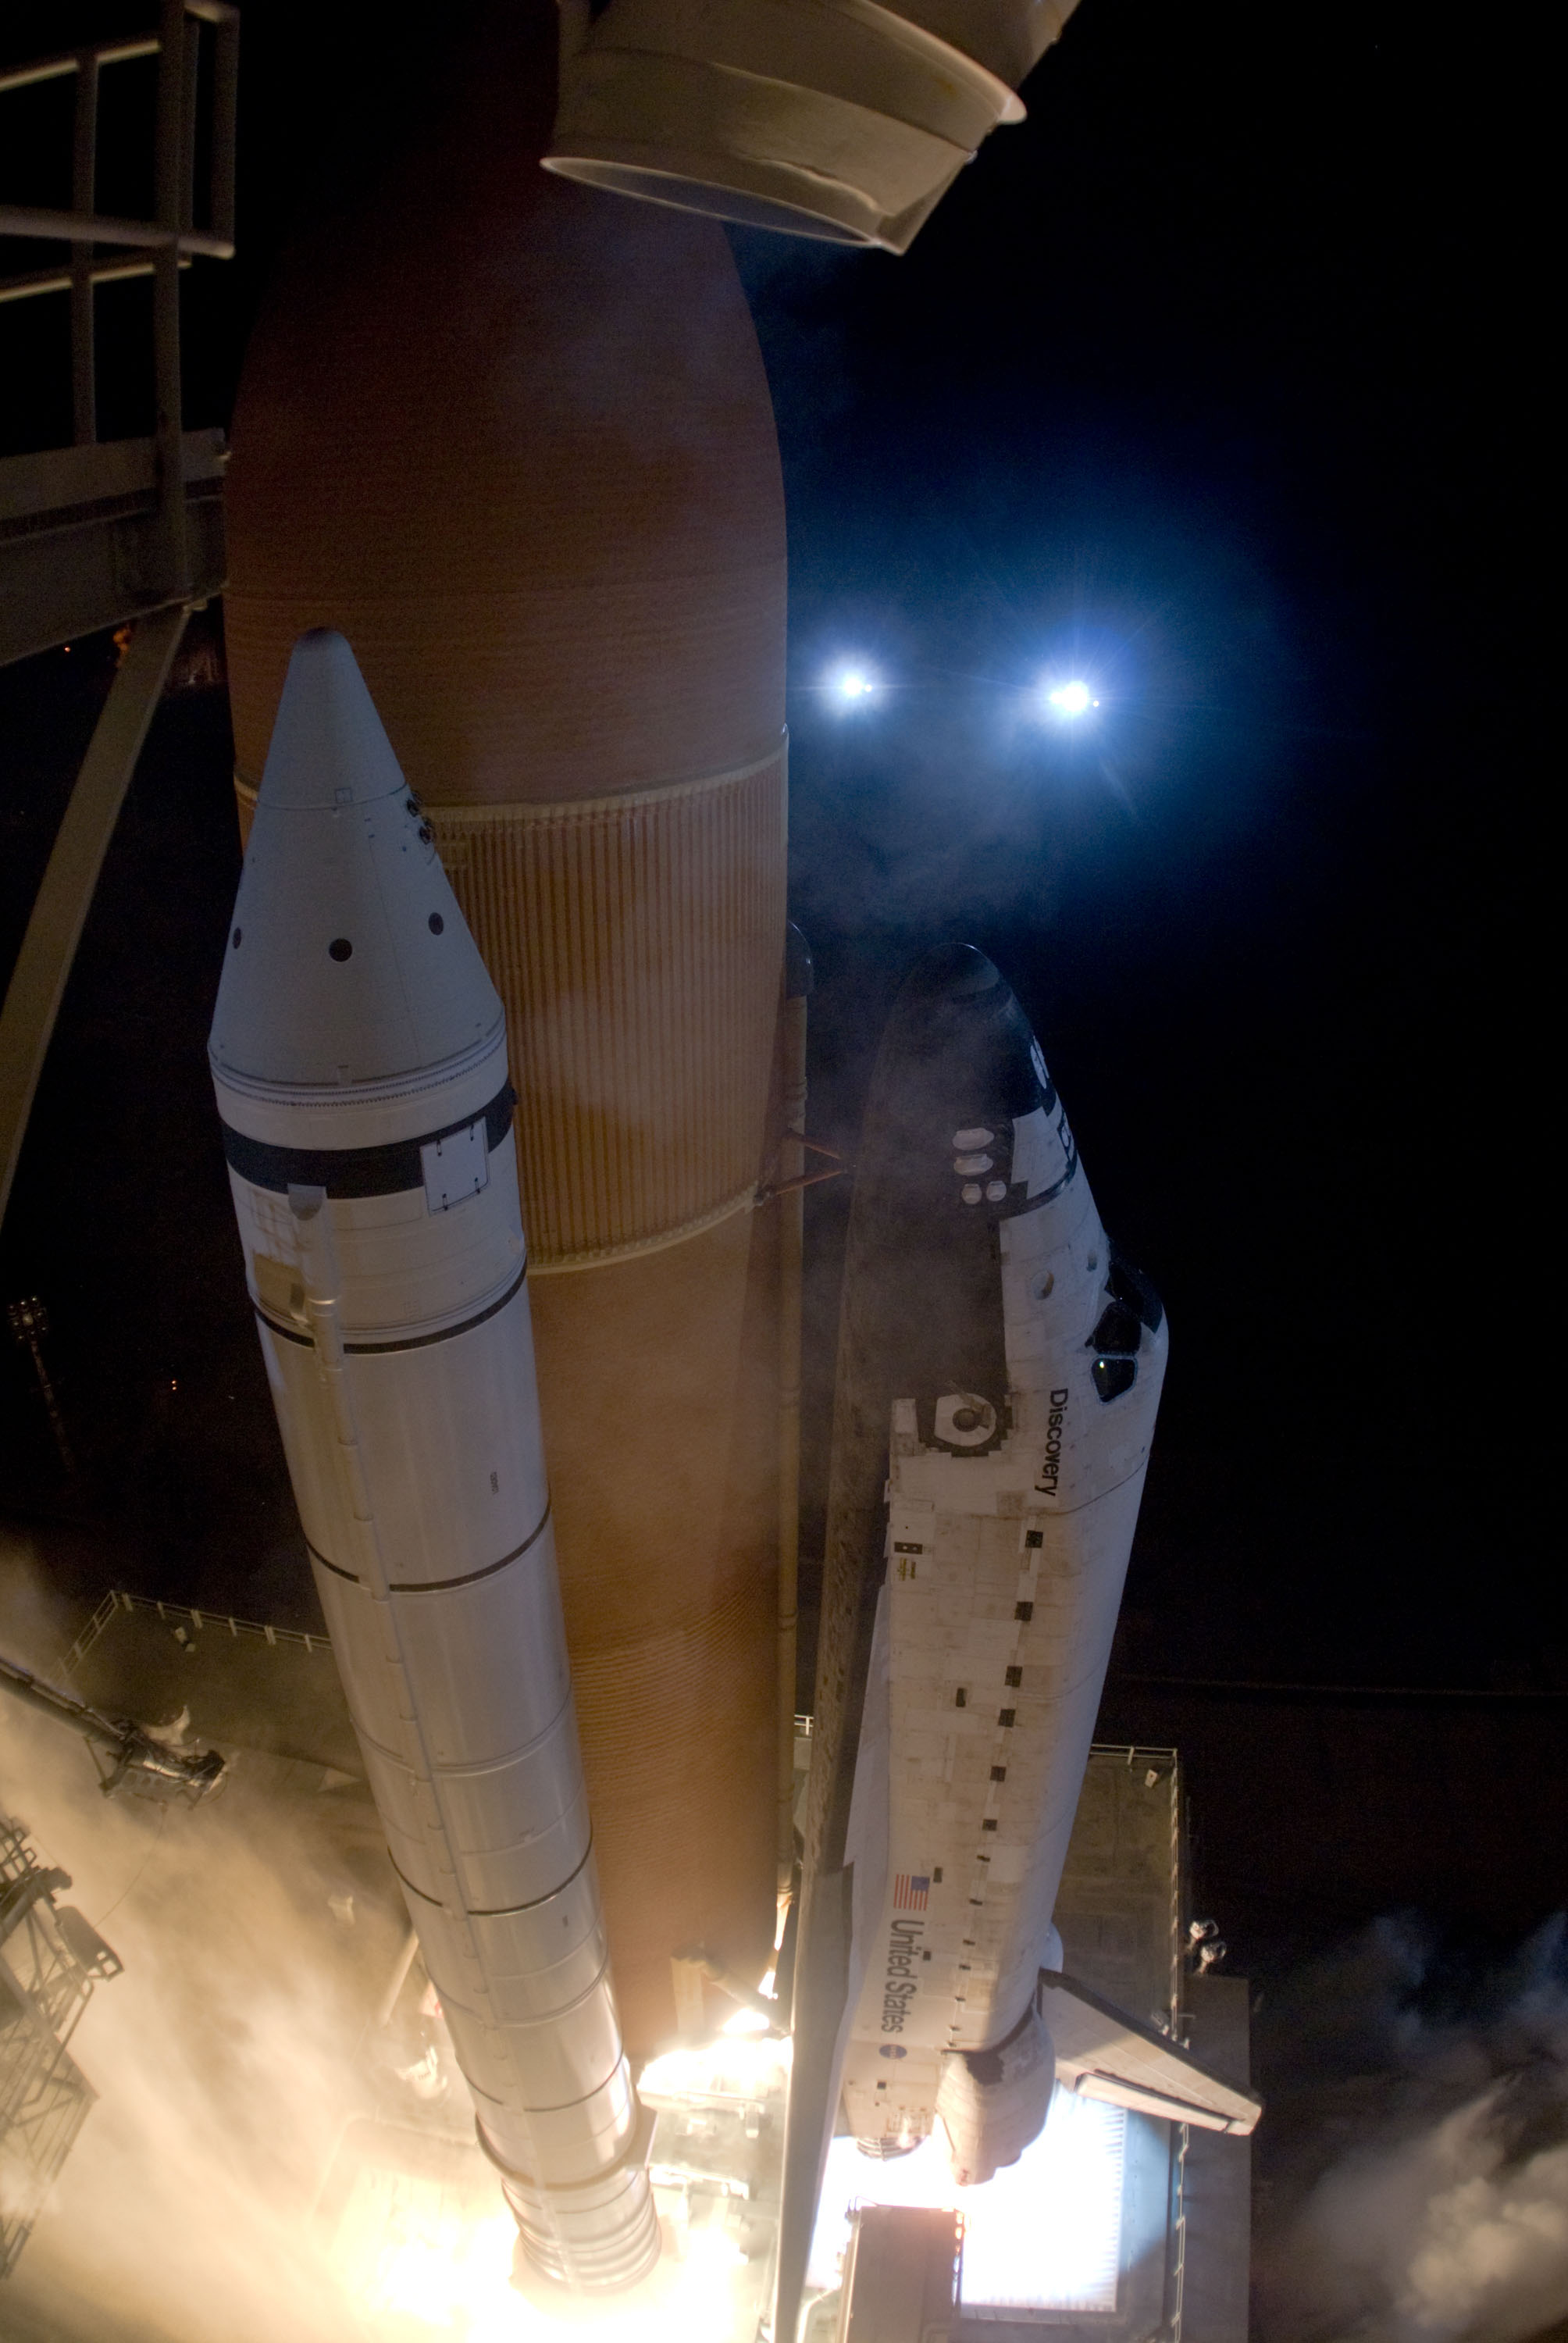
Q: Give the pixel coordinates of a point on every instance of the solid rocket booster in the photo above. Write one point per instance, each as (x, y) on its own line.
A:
(1000, 1367)
(359, 1054)
(513, 438)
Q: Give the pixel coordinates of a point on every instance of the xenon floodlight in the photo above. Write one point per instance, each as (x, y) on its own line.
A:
(1069, 701)
(852, 686)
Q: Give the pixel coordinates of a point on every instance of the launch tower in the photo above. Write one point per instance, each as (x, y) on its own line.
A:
(50, 1960)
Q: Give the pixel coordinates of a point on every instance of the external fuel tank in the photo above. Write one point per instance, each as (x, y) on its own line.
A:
(513, 438)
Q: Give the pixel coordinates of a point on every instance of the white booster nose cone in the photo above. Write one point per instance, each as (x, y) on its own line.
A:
(349, 959)
(358, 1052)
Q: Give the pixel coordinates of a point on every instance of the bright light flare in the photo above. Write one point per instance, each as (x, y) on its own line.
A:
(1070, 701)
(751, 2021)
(852, 686)
(733, 2067)
(429, 2260)
(1044, 2234)
(446, 2278)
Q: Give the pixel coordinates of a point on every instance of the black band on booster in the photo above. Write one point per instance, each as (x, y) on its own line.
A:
(348, 1171)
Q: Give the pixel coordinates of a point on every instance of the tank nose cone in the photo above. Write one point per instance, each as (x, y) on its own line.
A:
(349, 959)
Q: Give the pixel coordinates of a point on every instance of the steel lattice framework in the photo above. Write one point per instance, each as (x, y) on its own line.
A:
(49, 1960)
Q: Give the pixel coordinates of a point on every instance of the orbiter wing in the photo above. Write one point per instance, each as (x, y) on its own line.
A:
(1102, 2053)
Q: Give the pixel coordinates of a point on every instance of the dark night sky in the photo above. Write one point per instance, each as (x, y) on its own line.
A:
(1202, 383)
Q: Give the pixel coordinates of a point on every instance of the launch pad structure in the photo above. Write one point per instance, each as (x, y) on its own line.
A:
(50, 1959)
(125, 533)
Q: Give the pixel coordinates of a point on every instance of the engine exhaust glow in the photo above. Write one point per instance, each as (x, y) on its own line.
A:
(1044, 2234)
(439, 2277)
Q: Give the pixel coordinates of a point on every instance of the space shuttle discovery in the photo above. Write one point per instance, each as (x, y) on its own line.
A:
(1000, 1369)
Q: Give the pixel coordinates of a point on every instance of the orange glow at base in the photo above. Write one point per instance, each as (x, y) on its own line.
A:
(420, 2266)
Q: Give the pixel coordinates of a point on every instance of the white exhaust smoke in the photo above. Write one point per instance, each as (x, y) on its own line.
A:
(1424, 2198)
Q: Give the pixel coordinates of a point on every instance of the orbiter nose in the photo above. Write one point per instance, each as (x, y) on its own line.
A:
(955, 1006)
(963, 1112)
(959, 1048)
(348, 960)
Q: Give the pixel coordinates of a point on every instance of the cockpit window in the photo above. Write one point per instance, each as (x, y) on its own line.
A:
(1129, 1285)
(1119, 1329)
(1114, 1376)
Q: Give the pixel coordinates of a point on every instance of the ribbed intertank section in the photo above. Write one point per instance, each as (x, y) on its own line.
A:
(608, 925)
(513, 438)
(358, 1053)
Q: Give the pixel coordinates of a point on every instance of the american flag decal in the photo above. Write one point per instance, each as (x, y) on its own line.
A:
(910, 1890)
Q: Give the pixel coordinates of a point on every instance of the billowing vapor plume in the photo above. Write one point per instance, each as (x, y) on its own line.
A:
(255, 1930)
(1422, 2134)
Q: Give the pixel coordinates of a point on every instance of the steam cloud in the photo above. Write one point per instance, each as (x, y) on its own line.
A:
(224, 2056)
(1423, 2194)
(1419, 2117)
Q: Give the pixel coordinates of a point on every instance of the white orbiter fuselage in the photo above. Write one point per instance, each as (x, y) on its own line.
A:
(1009, 1523)
(1000, 1366)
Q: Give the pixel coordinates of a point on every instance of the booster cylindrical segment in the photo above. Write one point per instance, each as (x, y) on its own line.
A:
(358, 1051)
(840, 119)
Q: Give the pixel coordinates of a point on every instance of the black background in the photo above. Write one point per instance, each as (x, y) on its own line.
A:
(1209, 384)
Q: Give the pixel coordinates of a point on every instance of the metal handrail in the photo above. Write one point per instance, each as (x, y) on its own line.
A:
(174, 1614)
(172, 238)
(69, 61)
(170, 572)
(72, 228)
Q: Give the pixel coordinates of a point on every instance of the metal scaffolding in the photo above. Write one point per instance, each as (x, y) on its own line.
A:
(125, 533)
(50, 1958)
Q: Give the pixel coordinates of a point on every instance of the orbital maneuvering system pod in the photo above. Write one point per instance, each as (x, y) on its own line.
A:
(1000, 1366)
(359, 1054)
